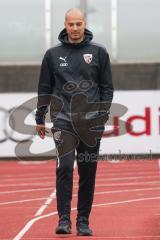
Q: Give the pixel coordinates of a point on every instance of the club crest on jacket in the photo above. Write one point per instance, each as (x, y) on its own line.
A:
(88, 58)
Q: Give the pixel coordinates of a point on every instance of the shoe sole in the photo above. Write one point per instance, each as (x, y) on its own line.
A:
(84, 234)
(62, 231)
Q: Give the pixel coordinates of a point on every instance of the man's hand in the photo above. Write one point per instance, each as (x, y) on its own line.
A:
(40, 128)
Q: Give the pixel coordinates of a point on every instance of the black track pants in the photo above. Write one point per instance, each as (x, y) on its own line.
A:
(67, 143)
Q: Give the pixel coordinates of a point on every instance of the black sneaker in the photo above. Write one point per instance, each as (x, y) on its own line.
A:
(83, 227)
(64, 225)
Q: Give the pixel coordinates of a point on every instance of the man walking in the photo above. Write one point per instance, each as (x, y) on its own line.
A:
(75, 79)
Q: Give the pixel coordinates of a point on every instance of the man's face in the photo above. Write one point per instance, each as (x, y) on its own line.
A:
(75, 26)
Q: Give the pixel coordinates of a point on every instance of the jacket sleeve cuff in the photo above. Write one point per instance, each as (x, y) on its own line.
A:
(40, 121)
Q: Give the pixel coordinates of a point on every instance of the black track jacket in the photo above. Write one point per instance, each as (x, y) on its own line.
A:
(69, 69)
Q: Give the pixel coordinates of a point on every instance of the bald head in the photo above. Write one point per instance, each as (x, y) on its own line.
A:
(75, 12)
(75, 24)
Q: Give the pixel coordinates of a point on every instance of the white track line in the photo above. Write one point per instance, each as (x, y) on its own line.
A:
(125, 174)
(96, 237)
(126, 178)
(50, 184)
(98, 179)
(124, 191)
(126, 201)
(26, 190)
(28, 179)
(75, 195)
(27, 184)
(124, 184)
(108, 174)
(122, 237)
(49, 200)
(13, 176)
(45, 189)
(22, 201)
(39, 212)
(159, 166)
(29, 225)
(46, 204)
(53, 178)
(98, 185)
(128, 190)
(32, 221)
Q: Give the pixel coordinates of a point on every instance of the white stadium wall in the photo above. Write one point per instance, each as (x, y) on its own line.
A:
(143, 114)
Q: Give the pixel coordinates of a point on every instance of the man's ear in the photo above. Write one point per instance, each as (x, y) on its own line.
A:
(65, 24)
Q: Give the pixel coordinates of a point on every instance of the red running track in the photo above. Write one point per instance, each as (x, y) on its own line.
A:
(126, 203)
